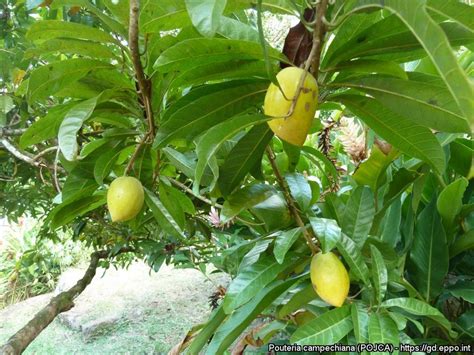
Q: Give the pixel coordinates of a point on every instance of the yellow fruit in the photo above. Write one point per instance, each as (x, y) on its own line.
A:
(125, 198)
(329, 278)
(294, 128)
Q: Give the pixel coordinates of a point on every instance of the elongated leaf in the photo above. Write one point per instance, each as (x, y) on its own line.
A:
(312, 153)
(70, 46)
(206, 15)
(466, 322)
(199, 51)
(66, 213)
(454, 10)
(284, 241)
(352, 255)
(391, 227)
(48, 29)
(370, 66)
(163, 15)
(71, 124)
(411, 138)
(240, 319)
(234, 29)
(245, 198)
(51, 78)
(434, 105)
(360, 321)
(219, 134)
(379, 274)
(464, 290)
(462, 243)
(254, 254)
(273, 212)
(243, 157)
(105, 163)
(419, 308)
(204, 112)
(436, 45)
(299, 299)
(250, 281)
(429, 254)
(299, 189)
(358, 215)
(382, 330)
(328, 232)
(162, 215)
(450, 201)
(217, 317)
(327, 329)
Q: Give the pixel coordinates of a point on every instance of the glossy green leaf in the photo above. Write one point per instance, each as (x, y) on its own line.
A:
(353, 256)
(379, 274)
(241, 318)
(434, 105)
(464, 290)
(71, 124)
(67, 212)
(316, 156)
(284, 241)
(254, 254)
(243, 157)
(162, 215)
(245, 198)
(163, 15)
(327, 231)
(455, 10)
(216, 319)
(329, 328)
(219, 134)
(70, 46)
(429, 254)
(462, 156)
(51, 78)
(204, 112)
(382, 330)
(462, 243)
(250, 281)
(205, 15)
(360, 321)
(370, 66)
(419, 308)
(359, 214)
(391, 226)
(411, 138)
(466, 322)
(234, 29)
(298, 300)
(198, 51)
(273, 212)
(436, 45)
(105, 163)
(450, 201)
(299, 189)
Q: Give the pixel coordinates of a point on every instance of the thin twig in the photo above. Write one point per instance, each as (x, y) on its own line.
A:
(19, 154)
(44, 152)
(135, 154)
(318, 36)
(308, 234)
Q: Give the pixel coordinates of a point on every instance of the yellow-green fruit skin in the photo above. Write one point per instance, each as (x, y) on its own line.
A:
(125, 198)
(294, 128)
(329, 278)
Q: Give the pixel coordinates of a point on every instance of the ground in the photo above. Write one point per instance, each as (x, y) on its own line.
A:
(121, 312)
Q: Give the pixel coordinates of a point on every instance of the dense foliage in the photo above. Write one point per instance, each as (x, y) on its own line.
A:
(384, 180)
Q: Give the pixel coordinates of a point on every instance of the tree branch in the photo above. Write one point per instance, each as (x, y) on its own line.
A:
(318, 36)
(58, 304)
(19, 154)
(308, 234)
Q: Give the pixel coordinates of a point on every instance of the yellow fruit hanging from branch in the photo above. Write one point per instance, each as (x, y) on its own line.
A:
(329, 278)
(125, 198)
(294, 107)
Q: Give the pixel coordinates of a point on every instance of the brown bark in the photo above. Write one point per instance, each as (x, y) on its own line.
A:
(58, 304)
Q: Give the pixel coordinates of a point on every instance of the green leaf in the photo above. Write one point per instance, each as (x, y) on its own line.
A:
(46, 127)
(70, 46)
(300, 190)
(315, 155)
(391, 227)
(326, 329)
(48, 29)
(359, 214)
(411, 138)
(199, 51)
(434, 104)
(464, 290)
(298, 300)
(353, 256)
(428, 263)
(163, 15)
(103, 166)
(372, 171)
(245, 198)
(328, 232)
(162, 215)
(243, 157)
(250, 281)
(382, 330)
(284, 241)
(206, 15)
(254, 254)
(466, 322)
(240, 319)
(457, 11)
(204, 112)
(360, 321)
(212, 140)
(51, 78)
(462, 156)
(450, 201)
(217, 317)
(462, 243)
(65, 213)
(379, 274)
(436, 45)
(370, 66)
(419, 308)
(234, 29)
(273, 212)
(71, 124)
